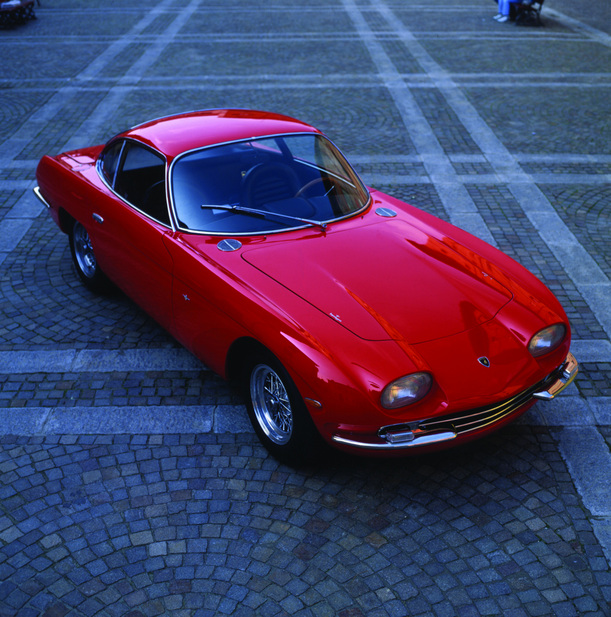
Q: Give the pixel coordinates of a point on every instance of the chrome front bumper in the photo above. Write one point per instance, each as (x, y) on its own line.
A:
(564, 376)
(446, 428)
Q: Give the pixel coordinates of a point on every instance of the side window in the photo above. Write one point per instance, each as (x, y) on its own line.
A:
(141, 181)
(110, 161)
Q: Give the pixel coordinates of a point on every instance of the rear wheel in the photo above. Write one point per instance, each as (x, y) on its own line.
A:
(278, 413)
(85, 260)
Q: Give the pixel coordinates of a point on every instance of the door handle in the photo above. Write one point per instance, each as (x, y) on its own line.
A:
(97, 218)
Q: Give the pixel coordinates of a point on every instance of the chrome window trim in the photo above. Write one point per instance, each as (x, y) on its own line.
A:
(102, 176)
(196, 232)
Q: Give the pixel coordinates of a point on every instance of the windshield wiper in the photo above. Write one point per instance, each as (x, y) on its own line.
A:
(263, 214)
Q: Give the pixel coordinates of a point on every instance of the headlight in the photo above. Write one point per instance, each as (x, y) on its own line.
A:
(406, 390)
(546, 340)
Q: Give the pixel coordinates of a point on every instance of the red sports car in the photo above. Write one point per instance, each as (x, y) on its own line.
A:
(347, 315)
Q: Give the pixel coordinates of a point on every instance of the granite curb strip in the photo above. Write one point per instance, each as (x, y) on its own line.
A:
(125, 420)
(567, 411)
(176, 359)
(92, 360)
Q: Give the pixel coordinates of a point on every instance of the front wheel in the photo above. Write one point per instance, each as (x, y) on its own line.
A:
(85, 260)
(278, 413)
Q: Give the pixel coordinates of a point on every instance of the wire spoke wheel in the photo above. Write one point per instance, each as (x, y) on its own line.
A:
(271, 404)
(83, 252)
(277, 410)
(85, 261)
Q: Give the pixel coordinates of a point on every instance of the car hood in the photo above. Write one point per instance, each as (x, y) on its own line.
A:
(386, 281)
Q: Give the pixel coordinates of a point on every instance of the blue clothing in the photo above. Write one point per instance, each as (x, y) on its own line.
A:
(504, 7)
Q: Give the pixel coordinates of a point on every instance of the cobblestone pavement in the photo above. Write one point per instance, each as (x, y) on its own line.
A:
(130, 481)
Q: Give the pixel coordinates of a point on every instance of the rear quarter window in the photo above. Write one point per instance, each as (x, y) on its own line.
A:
(110, 161)
(137, 174)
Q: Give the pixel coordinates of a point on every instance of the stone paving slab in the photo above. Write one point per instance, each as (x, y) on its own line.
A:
(210, 525)
(130, 481)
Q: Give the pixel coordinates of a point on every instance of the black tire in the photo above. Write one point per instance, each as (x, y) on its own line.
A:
(278, 413)
(85, 260)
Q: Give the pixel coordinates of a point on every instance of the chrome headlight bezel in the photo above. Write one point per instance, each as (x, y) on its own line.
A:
(406, 390)
(547, 340)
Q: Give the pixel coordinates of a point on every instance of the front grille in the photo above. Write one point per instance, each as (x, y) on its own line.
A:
(474, 419)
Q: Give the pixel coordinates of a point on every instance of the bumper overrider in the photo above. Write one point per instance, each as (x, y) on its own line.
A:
(446, 428)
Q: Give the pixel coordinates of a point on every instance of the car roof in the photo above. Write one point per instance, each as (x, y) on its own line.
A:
(174, 135)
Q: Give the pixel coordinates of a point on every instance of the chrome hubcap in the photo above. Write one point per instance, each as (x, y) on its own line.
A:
(83, 251)
(271, 404)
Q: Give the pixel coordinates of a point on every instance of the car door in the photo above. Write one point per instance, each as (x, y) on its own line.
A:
(205, 301)
(131, 221)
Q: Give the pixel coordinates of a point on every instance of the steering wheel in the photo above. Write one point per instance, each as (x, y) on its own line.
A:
(307, 186)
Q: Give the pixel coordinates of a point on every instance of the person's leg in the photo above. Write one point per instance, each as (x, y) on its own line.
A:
(503, 10)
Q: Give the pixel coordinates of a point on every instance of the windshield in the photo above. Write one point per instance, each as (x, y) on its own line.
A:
(264, 185)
